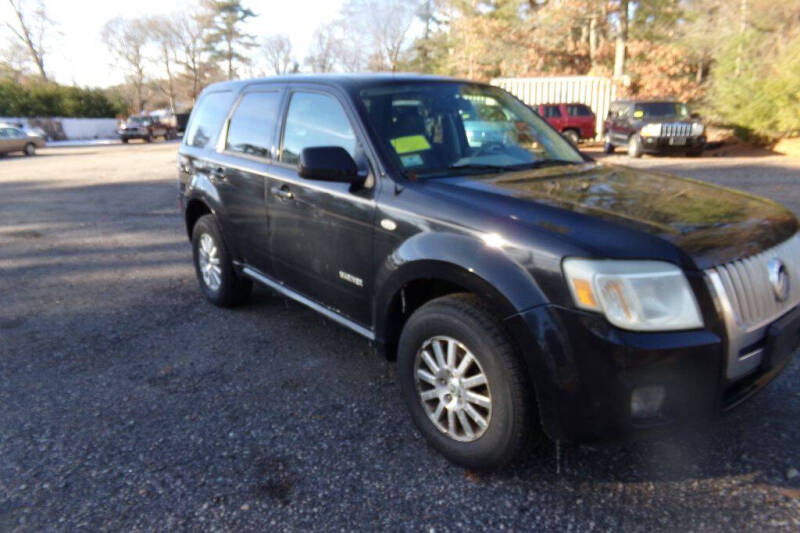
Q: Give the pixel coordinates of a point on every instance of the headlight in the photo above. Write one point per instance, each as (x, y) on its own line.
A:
(651, 130)
(697, 129)
(635, 295)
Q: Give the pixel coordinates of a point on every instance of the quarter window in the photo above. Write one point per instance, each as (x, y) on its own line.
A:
(552, 112)
(315, 119)
(207, 119)
(579, 111)
(252, 125)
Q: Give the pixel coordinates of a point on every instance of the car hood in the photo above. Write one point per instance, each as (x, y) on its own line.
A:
(711, 224)
(665, 119)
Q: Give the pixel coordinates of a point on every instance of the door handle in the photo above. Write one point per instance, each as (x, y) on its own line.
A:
(217, 174)
(284, 192)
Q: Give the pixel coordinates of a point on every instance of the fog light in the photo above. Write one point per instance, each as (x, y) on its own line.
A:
(646, 402)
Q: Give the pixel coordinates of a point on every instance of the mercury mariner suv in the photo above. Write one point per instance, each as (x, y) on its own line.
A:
(522, 288)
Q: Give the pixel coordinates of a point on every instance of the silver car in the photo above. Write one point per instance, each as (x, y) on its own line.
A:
(13, 139)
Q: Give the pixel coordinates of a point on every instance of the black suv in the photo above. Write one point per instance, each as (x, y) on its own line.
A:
(654, 127)
(514, 281)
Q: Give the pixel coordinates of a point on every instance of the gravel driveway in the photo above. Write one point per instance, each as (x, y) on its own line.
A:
(126, 402)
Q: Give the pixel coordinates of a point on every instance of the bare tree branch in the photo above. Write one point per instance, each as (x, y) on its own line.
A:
(277, 50)
(31, 31)
(127, 39)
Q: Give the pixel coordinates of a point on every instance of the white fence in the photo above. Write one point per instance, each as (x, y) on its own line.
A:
(58, 128)
(595, 91)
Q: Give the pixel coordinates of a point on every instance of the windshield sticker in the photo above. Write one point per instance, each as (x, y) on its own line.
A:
(413, 160)
(410, 143)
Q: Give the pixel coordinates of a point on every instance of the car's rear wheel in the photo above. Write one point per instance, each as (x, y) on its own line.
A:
(218, 280)
(608, 146)
(148, 138)
(572, 136)
(30, 149)
(635, 146)
(462, 382)
(124, 140)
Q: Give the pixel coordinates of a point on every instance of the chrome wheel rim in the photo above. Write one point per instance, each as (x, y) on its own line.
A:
(208, 257)
(453, 388)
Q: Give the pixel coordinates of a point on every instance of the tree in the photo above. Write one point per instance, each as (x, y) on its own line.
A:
(622, 38)
(127, 39)
(163, 33)
(225, 38)
(277, 50)
(756, 85)
(189, 30)
(325, 44)
(384, 25)
(30, 30)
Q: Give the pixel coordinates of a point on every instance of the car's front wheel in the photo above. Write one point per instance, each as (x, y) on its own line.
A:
(462, 383)
(695, 152)
(218, 280)
(635, 146)
(30, 149)
(608, 146)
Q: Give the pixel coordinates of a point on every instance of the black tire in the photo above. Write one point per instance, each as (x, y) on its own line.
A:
(695, 152)
(608, 147)
(635, 146)
(124, 140)
(233, 289)
(30, 149)
(148, 139)
(572, 136)
(464, 318)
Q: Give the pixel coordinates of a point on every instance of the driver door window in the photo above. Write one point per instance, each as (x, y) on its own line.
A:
(315, 119)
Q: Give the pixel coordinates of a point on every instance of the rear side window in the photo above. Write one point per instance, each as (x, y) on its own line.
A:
(315, 119)
(552, 111)
(207, 119)
(579, 111)
(252, 126)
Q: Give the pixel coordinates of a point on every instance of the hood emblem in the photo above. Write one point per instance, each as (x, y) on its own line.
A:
(778, 278)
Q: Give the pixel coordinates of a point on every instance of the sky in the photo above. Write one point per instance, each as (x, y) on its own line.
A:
(78, 56)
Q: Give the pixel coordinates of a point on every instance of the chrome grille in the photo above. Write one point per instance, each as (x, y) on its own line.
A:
(748, 302)
(747, 285)
(676, 129)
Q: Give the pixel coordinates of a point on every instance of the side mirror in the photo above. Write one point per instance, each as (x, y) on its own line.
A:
(327, 163)
(695, 116)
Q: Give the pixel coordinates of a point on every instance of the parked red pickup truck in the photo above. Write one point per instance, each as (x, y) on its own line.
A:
(574, 121)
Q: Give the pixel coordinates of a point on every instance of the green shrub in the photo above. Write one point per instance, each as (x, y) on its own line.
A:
(757, 87)
(37, 99)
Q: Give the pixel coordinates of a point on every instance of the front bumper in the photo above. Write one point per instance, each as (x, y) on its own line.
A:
(132, 133)
(585, 372)
(672, 144)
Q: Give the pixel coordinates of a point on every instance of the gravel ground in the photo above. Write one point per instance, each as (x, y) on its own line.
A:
(126, 402)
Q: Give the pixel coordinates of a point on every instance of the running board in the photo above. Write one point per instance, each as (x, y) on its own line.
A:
(296, 296)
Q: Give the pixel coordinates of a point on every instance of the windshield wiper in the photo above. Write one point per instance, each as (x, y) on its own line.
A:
(544, 163)
(477, 166)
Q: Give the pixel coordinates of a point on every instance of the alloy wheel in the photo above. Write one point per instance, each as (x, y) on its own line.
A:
(208, 258)
(453, 388)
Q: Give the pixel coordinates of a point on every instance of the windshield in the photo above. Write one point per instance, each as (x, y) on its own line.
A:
(661, 109)
(138, 120)
(444, 128)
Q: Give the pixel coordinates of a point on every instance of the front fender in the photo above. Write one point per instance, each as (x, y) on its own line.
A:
(464, 260)
(201, 188)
